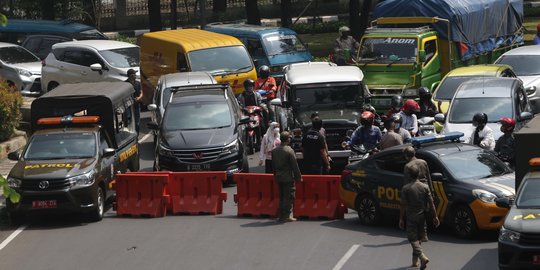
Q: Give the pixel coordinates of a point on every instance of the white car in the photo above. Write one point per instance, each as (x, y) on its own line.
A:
(88, 61)
(525, 62)
(496, 97)
(20, 68)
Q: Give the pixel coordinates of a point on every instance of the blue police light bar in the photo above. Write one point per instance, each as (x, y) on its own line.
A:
(450, 136)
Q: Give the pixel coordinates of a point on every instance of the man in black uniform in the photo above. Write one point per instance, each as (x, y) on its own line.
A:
(138, 95)
(314, 149)
(505, 145)
(416, 199)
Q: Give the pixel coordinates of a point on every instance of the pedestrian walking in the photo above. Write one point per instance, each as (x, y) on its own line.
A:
(314, 150)
(414, 163)
(138, 95)
(269, 142)
(286, 172)
(415, 197)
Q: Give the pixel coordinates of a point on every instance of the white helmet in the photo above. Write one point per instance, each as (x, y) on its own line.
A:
(344, 29)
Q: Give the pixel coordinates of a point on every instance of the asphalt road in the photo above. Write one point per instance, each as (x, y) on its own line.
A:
(227, 242)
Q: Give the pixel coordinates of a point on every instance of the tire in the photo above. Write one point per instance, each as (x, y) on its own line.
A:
(463, 222)
(51, 86)
(368, 210)
(99, 211)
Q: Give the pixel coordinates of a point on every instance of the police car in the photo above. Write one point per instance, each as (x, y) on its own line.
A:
(466, 181)
(519, 237)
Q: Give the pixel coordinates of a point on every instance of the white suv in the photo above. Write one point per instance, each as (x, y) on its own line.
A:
(88, 61)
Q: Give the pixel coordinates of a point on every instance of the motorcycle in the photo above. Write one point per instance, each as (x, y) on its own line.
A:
(358, 152)
(253, 129)
(426, 126)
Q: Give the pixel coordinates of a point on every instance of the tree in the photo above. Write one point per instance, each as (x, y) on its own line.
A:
(47, 9)
(252, 12)
(364, 18)
(286, 20)
(154, 15)
(359, 17)
(219, 5)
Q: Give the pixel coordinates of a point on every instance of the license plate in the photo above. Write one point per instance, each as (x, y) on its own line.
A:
(536, 259)
(44, 204)
(198, 167)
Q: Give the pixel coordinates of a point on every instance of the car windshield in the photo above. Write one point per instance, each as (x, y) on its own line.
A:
(281, 44)
(523, 65)
(473, 164)
(15, 55)
(91, 34)
(463, 109)
(332, 101)
(61, 146)
(529, 195)
(123, 57)
(197, 115)
(448, 87)
(222, 60)
(388, 50)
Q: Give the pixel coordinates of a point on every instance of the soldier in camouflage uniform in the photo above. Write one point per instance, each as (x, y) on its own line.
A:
(416, 199)
(420, 164)
(286, 172)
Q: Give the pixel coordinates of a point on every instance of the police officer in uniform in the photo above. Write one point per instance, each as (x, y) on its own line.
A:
(314, 150)
(286, 172)
(416, 199)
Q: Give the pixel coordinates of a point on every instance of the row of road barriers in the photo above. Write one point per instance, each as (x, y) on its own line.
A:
(155, 194)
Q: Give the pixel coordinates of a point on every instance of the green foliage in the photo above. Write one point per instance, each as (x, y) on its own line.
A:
(3, 20)
(318, 27)
(10, 113)
(132, 40)
(9, 193)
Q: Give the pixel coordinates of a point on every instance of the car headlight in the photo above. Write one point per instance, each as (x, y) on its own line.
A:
(164, 151)
(484, 196)
(506, 235)
(24, 72)
(410, 92)
(13, 182)
(82, 180)
(230, 148)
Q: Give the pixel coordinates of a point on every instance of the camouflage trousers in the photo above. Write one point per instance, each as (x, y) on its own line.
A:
(286, 198)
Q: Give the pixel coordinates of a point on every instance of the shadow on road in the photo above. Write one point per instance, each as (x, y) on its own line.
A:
(483, 260)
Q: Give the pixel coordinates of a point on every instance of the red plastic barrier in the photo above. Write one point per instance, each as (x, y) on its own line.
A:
(197, 192)
(317, 197)
(257, 194)
(141, 194)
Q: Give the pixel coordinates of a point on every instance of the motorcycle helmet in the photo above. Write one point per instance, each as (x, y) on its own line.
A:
(424, 93)
(396, 102)
(249, 84)
(411, 106)
(479, 119)
(507, 124)
(344, 29)
(264, 71)
(367, 118)
(368, 108)
(396, 117)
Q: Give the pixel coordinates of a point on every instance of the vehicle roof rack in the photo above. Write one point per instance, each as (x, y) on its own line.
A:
(450, 136)
(417, 30)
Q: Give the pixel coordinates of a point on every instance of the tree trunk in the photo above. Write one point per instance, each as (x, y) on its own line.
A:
(47, 9)
(174, 14)
(219, 5)
(354, 18)
(252, 12)
(364, 18)
(154, 15)
(286, 20)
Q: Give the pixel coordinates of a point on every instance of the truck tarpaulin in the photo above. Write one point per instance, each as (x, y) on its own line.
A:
(482, 25)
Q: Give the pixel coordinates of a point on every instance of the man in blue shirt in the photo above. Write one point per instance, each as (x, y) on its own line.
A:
(367, 134)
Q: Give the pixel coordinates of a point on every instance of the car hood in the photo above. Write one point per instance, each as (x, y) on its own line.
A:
(502, 185)
(530, 80)
(34, 67)
(468, 129)
(190, 139)
(52, 169)
(523, 220)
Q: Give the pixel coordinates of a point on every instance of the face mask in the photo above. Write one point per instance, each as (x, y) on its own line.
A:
(398, 126)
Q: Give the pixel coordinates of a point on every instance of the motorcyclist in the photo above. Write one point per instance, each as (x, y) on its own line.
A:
(266, 82)
(378, 122)
(405, 135)
(505, 146)
(409, 121)
(395, 107)
(427, 107)
(366, 134)
(345, 46)
(482, 135)
(250, 97)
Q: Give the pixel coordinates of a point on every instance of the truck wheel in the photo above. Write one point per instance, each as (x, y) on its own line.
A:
(368, 210)
(463, 222)
(97, 213)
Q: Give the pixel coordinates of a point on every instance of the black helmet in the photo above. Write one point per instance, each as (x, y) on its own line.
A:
(423, 92)
(264, 71)
(397, 102)
(480, 118)
(368, 108)
(249, 83)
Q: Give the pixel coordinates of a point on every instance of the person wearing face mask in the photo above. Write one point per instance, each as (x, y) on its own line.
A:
(269, 142)
(482, 135)
(409, 121)
(250, 97)
(405, 135)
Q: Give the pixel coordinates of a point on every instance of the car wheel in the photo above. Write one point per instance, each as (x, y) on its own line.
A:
(97, 213)
(463, 222)
(52, 85)
(368, 210)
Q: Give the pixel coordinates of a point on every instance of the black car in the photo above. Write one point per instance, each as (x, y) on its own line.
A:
(202, 130)
(466, 181)
(519, 237)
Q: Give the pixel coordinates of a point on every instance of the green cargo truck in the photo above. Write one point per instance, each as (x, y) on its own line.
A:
(415, 43)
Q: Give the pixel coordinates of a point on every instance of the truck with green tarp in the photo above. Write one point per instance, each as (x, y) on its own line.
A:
(414, 43)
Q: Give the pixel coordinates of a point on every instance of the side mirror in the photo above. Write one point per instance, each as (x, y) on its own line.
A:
(244, 121)
(152, 107)
(108, 152)
(256, 62)
(422, 56)
(276, 102)
(152, 125)
(503, 203)
(530, 90)
(439, 118)
(14, 156)
(96, 67)
(436, 176)
(524, 116)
